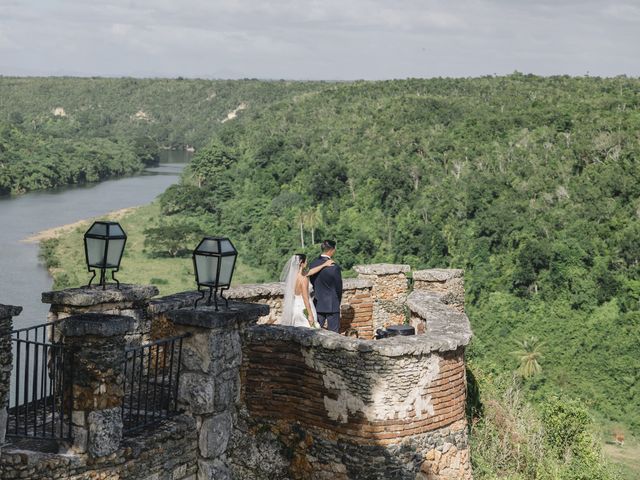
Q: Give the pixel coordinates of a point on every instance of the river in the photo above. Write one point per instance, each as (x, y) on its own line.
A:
(22, 276)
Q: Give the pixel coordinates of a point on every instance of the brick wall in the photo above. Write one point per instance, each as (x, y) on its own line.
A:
(394, 399)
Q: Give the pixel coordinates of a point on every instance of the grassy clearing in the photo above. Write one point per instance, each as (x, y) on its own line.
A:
(64, 256)
(626, 458)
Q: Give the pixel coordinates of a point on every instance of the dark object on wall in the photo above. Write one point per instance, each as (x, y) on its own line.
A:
(103, 247)
(394, 330)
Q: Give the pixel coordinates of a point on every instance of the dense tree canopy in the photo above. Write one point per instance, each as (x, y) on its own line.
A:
(61, 131)
(530, 184)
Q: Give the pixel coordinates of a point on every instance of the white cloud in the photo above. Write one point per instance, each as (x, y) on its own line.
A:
(330, 39)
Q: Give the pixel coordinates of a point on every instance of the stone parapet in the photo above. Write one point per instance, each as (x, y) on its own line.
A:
(382, 269)
(390, 287)
(167, 451)
(7, 312)
(96, 357)
(127, 294)
(387, 402)
(448, 284)
(440, 323)
(210, 376)
(356, 310)
(129, 300)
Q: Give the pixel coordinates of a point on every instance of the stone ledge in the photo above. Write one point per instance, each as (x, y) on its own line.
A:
(389, 347)
(382, 269)
(356, 284)
(438, 274)
(173, 302)
(251, 290)
(9, 311)
(205, 316)
(442, 322)
(88, 296)
(96, 324)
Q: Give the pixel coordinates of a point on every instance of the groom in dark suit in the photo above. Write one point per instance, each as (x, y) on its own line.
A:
(327, 285)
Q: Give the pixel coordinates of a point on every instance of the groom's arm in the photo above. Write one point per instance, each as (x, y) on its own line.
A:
(339, 282)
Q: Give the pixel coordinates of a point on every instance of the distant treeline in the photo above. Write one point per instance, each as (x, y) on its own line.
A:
(61, 131)
(530, 184)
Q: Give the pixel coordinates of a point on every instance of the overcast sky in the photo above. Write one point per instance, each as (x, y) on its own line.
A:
(324, 39)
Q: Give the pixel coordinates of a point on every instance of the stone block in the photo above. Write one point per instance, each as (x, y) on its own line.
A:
(3, 424)
(382, 269)
(105, 431)
(96, 324)
(213, 470)
(197, 392)
(214, 435)
(227, 390)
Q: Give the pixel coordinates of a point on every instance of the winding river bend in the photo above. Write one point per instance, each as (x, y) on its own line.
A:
(22, 276)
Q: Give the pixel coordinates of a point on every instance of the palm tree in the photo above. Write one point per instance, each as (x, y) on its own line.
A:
(313, 220)
(528, 356)
(301, 220)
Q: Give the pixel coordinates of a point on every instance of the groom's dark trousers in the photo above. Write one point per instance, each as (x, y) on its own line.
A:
(327, 286)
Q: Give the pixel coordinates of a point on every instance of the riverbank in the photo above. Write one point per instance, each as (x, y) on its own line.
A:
(56, 232)
(61, 250)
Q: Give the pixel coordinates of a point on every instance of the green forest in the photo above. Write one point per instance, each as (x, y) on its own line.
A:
(528, 183)
(64, 131)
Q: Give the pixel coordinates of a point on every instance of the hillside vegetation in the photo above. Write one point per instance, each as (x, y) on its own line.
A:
(62, 131)
(530, 184)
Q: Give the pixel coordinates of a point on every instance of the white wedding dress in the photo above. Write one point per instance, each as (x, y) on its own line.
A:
(293, 306)
(298, 317)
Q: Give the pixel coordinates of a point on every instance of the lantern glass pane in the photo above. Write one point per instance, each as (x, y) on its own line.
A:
(209, 246)
(98, 229)
(115, 252)
(206, 269)
(226, 246)
(95, 252)
(115, 230)
(226, 269)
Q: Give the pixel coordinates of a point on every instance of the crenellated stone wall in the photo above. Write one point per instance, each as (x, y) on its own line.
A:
(356, 308)
(263, 401)
(390, 287)
(447, 284)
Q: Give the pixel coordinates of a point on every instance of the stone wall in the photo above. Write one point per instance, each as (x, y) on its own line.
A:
(349, 408)
(6, 359)
(210, 379)
(166, 452)
(269, 402)
(390, 287)
(356, 308)
(96, 346)
(447, 284)
(129, 300)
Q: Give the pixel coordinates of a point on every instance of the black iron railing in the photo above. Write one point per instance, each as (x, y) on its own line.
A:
(152, 373)
(39, 406)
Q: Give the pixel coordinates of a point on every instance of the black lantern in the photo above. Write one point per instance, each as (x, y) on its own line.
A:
(214, 260)
(103, 246)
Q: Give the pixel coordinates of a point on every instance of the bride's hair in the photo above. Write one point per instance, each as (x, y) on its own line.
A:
(301, 257)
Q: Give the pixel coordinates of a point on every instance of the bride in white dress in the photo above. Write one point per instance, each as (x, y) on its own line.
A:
(296, 293)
